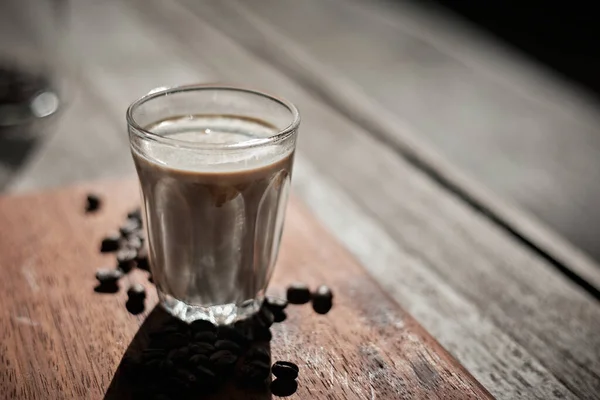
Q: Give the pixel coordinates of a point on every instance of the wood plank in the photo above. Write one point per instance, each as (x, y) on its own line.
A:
(498, 117)
(63, 340)
(505, 272)
(467, 325)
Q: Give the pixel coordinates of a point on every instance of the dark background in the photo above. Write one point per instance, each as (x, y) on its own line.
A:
(564, 36)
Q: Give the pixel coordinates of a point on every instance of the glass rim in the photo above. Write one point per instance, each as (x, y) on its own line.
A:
(166, 91)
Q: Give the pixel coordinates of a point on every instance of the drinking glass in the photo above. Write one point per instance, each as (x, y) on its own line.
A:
(214, 165)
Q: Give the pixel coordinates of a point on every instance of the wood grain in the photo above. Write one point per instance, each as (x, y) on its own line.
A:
(60, 339)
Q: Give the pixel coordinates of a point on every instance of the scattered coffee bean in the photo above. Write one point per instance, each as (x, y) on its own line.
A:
(110, 243)
(185, 375)
(275, 304)
(265, 317)
(107, 276)
(153, 353)
(202, 325)
(130, 227)
(284, 387)
(167, 365)
(298, 293)
(126, 259)
(208, 337)
(204, 373)
(142, 259)
(135, 214)
(202, 348)
(232, 333)
(323, 292)
(259, 353)
(199, 359)
(134, 242)
(262, 334)
(223, 359)
(179, 355)
(137, 291)
(228, 345)
(93, 202)
(285, 370)
(253, 374)
(135, 307)
(279, 316)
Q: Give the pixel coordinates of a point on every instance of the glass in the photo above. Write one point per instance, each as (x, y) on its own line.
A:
(31, 44)
(214, 164)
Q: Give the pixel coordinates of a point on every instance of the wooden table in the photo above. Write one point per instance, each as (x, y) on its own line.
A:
(509, 299)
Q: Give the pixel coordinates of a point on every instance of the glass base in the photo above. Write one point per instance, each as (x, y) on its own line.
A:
(219, 314)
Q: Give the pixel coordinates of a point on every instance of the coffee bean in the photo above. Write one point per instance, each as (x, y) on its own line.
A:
(175, 340)
(136, 291)
(285, 370)
(135, 307)
(262, 334)
(167, 365)
(252, 376)
(279, 316)
(135, 214)
(257, 370)
(202, 348)
(153, 353)
(208, 337)
(202, 325)
(322, 305)
(179, 355)
(134, 242)
(142, 259)
(275, 304)
(108, 275)
(228, 345)
(204, 373)
(110, 243)
(199, 359)
(324, 292)
(185, 375)
(126, 259)
(223, 359)
(265, 317)
(298, 293)
(232, 333)
(130, 227)
(93, 202)
(284, 387)
(259, 353)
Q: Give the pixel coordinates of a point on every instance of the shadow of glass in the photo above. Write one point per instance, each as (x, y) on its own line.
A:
(172, 374)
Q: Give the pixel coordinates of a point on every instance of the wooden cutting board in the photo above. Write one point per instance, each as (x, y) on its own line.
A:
(59, 339)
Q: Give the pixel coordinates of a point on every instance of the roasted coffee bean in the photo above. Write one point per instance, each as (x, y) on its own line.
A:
(298, 293)
(202, 325)
(134, 242)
(279, 316)
(130, 227)
(322, 305)
(258, 353)
(167, 365)
(108, 275)
(208, 337)
(275, 303)
(285, 370)
(204, 373)
(93, 202)
(199, 359)
(179, 355)
(107, 288)
(153, 353)
(262, 334)
(265, 317)
(284, 387)
(250, 376)
(223, 359)
(135, 214)
(136, 306)
(202, 348)
(231, 333)
(256, 370)
(323, 292)
(126, 259)
(185, 375)
(228, 345)
(175, 340)
(136, 291)
(110, 243)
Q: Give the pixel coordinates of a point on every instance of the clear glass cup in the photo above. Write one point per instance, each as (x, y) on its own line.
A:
(214, 164)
